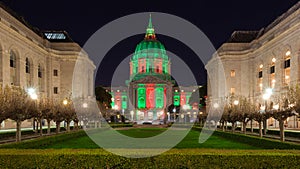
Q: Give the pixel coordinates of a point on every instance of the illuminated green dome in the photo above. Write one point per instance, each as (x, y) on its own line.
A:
(150, 47)
(150, 58)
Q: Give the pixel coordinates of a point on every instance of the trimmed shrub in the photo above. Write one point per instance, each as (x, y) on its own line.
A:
(172, 159)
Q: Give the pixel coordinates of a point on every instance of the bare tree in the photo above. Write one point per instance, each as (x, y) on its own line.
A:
(19, 107)
(246, 109)
(58, 115)
(281, 114)
(68, 112)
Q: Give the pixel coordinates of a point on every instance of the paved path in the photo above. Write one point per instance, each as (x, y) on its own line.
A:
(277, 137)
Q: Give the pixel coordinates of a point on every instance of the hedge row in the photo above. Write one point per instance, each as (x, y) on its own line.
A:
(264, 143)
(173, 159)
(116, 125)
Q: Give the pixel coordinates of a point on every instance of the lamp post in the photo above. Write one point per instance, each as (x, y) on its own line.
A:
(32, 94)
(131, 113)
(276, 107)
(266, 96)
(174, 111)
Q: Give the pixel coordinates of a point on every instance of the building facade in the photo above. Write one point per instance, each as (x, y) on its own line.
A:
(256, 61)
(42, 60)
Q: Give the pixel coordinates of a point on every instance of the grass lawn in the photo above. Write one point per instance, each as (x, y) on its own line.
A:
(82, 141)
(221, 150)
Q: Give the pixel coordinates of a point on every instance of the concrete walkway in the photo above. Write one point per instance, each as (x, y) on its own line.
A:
(271, 136)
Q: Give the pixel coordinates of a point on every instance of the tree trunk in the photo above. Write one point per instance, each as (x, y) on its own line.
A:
(260, 129)
(244, 127)
(281, 126)
(233, 127)
(18, 133)
(251, 122)
(223, 127)
(265, 126)
(226, 127)
(68, 126)
(48, 129)
(37, 126)
(41, 127)
(76, 125)
(57, 127)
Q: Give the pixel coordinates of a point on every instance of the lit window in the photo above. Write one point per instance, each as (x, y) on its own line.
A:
(232, 90)
(55, 35)
(232, 73)
(287, 68)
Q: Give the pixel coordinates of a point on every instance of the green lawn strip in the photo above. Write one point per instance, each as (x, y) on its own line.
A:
(175, 158)
(219, 140)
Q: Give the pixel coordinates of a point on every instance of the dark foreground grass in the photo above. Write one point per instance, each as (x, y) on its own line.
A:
(175, 158)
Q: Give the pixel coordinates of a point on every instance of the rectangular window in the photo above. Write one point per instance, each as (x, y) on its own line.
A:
(55, 72)
(232, 73)
(40, 74)
(272, 69)
(55, 90)
(11, 63)
(260, 74)
(287, 63)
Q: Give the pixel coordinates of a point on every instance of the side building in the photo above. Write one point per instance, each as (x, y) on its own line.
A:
(41, 60)
(256, 61)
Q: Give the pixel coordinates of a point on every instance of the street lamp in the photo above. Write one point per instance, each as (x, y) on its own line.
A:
(84, 105)
(65, 101)
(174, 111)
(236, 102)
(266, 96)
(32, 94)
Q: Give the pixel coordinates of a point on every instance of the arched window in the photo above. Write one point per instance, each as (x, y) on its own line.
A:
(27, 66)
(12, 59)
(287, 68)
(39, 71)
(13, 68)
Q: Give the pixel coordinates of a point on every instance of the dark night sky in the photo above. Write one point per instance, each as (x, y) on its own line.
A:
(216, 18)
